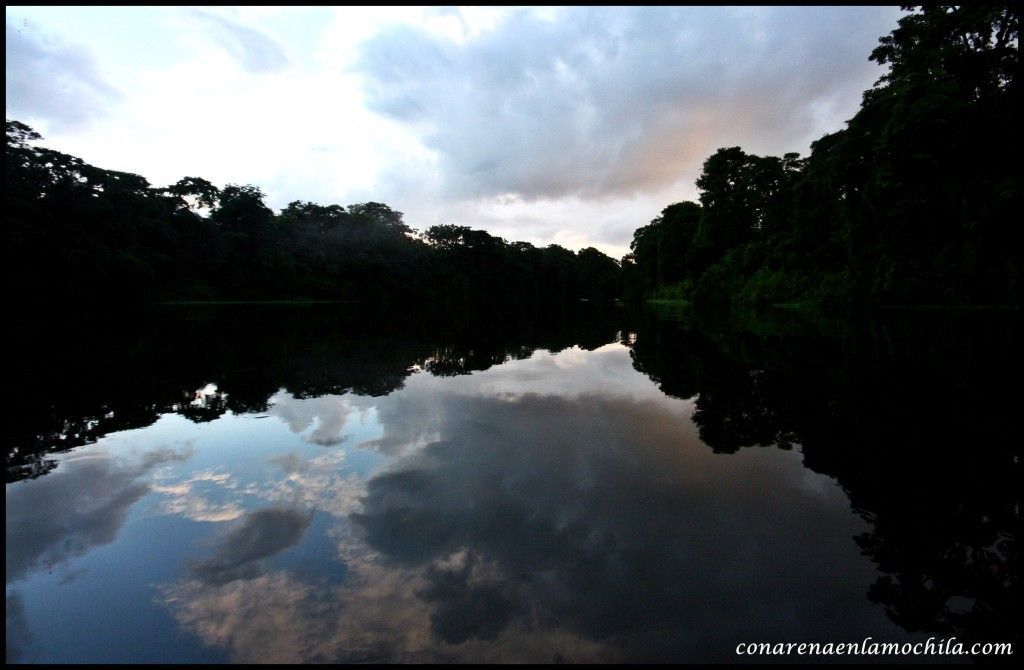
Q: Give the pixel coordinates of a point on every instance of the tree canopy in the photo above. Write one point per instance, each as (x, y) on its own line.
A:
(915, 201)
(86, 234)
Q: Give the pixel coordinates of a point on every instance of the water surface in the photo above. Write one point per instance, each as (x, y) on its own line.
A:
(309, 484)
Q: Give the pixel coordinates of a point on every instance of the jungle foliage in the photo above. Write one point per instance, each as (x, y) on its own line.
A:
(911, 203)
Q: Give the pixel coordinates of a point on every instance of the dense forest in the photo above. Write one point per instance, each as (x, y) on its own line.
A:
(84, 234)
(912, 203)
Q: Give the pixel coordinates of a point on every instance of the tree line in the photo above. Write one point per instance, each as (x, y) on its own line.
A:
(85, 234)
(911, 203)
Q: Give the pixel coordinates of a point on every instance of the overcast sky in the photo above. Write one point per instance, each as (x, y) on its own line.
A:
(571, 126)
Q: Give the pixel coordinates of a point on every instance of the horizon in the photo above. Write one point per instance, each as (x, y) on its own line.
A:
(442, 113)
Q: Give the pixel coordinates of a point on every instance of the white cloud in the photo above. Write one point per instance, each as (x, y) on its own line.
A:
(185, 499)
(254, 50)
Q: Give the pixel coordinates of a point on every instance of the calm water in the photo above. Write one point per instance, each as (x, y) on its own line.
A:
(314, 484)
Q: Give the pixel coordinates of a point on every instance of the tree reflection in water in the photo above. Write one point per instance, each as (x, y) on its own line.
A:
(597, 523)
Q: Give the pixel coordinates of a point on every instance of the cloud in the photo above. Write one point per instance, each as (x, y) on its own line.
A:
(269, 618)
(413, 419)
(315, 484)
(474, 600)
(556, 527)
(279, 618)
(254, 50)
(610, 517)
(185, 499)
(291, 463)
(86, 502)
(53, 81)
(613, 101)
(327, 414)
(258, 535)
(20, 644)
(197, 508)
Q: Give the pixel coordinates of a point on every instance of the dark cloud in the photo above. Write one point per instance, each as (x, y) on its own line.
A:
(19, 644)
(613, 100)
(53, 81)
(257, 535)
(609, 519)
(474, 601)
(255, 51)
(85, 502)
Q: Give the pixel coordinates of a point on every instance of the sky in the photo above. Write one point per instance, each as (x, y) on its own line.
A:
(571, 126)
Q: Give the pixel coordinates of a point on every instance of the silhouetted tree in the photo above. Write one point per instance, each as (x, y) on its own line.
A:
(915, 201)
(85, 234)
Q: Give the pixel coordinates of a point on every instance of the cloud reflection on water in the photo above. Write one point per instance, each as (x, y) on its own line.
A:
(574, 524)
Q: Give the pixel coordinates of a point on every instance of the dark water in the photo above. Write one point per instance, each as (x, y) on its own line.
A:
(321, 484)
